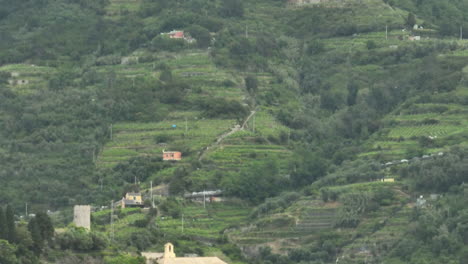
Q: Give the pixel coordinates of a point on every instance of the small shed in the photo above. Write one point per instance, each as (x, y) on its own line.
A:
(172, 155)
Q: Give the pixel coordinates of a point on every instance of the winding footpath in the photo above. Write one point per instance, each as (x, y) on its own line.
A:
(221, 137)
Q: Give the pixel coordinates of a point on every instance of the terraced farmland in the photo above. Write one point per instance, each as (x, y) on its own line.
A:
(298, 225)
(25, 78)
(206, 223)
(140, 139)
(246, 146)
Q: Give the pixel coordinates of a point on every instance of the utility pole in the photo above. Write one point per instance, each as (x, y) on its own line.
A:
(182, 223)
(253, 125)
(386, 32)
(151, 193)
(112, 220)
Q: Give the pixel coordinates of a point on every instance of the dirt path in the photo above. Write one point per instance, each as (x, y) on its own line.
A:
(220, 138)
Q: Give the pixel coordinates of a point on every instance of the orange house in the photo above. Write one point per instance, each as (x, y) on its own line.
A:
(172, 155)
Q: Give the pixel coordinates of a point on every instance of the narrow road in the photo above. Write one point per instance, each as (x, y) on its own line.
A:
(220, 138)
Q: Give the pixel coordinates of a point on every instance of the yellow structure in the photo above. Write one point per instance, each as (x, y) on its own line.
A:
(134, 196)
(169, 257)
(388, 180)
(132, 200)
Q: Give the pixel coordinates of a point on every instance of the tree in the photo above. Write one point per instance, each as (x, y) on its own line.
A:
(309, 167)
(232, 8)
(10, 223)
(7, 253)
(352, 93)
(45, 225)
(201, 34)
(3, 225)
(251, 84)
(38, 241)
(411, 20)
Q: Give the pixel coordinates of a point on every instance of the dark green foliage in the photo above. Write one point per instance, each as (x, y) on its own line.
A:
(315, 47)
(410, 20)
(171, 207)
(255, 183)
(41, 230)
(161, 43)
(232, 8)
(251, 84)
(201, 34)
(7, 253)
(370, 44)
(309, 167)
(140, 168)
(36, 236)
(352, 93)
(222, 108)
(10, 224)
(4, 76)
(3, 225)
(80, 239)
(440, 173)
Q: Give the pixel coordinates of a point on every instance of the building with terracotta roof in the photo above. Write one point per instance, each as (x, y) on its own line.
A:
(172, 155)
(169, 257)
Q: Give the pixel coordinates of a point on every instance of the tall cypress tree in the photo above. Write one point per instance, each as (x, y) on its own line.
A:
(3, 225)
(10, 223)
(45, 225)
(38, 240)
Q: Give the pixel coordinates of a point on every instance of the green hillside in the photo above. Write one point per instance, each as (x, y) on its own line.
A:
(336, 131)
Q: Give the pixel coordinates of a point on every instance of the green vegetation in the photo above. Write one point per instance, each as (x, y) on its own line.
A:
(320, 123)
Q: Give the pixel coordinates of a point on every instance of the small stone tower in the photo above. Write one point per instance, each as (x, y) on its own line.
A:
(169, 251)
(82, 216)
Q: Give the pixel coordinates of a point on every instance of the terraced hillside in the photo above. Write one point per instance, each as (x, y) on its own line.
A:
(27, 78)
(307, 222)
(428, 126)
(180, 127)
(299, 224)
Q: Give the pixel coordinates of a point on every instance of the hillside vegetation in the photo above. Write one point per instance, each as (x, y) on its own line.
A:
(337, 131)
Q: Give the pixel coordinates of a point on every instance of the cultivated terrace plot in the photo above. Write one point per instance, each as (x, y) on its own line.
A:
(150, 139)
(299, 224)
(26, 78)
(423, 128)
(262, 138)
(205, 224)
